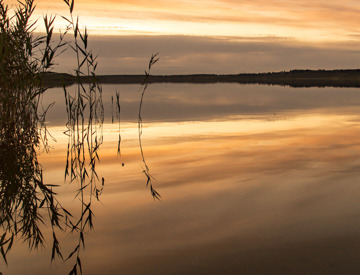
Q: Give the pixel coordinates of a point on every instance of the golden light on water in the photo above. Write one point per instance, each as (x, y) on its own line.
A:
(220, 149)
(246, 171)
(242, 179)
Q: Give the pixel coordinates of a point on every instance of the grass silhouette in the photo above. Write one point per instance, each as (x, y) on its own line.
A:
(26, 202)
(24, 61)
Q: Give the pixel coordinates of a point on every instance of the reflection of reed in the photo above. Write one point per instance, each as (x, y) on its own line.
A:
(146, 170)
(24, 198)
(22, 191)
(23, 194)
(118, 116)
(84, 130)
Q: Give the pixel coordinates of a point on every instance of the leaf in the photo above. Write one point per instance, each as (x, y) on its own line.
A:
(63, 17)
(72, 6)
(55, 248)
(72, 253)
(42, 203)
(3, 255)
(79, 263)
(74, 270)
(82, 239)
(67, 212)
(10, 244)
(76, 28)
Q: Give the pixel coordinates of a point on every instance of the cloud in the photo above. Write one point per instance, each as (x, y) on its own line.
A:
(194, 54)
(301, 19)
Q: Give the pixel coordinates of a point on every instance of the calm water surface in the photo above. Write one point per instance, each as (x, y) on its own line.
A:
(254, 180)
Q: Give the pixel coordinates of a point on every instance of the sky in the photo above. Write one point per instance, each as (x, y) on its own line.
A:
(215, 36)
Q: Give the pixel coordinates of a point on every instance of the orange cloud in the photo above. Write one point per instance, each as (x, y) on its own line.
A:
(306, 19)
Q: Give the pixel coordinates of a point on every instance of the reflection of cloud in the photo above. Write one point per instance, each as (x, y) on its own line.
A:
(228, 151)
(233, 195)
(192, 102)
(264, 192)
(280, 153)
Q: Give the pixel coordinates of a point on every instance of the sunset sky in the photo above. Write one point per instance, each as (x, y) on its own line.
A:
(218, 36)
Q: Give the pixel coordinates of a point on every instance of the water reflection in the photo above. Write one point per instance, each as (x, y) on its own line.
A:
(29, 205)
(202, 102)
(245, 199)
(252, 193)
(26, 201)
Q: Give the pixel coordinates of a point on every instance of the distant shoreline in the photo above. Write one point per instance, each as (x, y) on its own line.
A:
(294, 78)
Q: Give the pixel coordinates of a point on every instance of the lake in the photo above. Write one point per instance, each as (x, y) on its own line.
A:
(254, 179)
